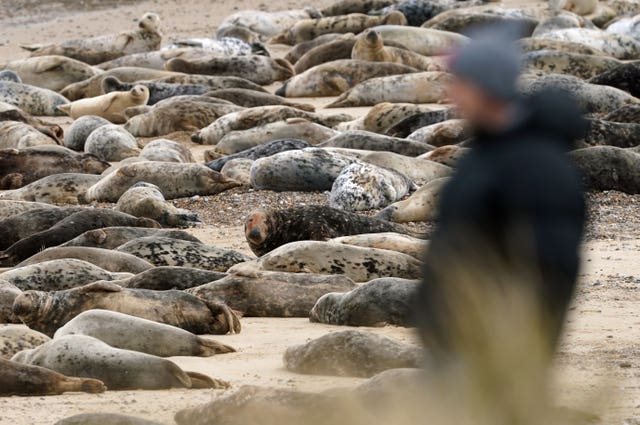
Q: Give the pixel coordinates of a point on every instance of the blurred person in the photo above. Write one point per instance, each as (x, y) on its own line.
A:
(515, 204)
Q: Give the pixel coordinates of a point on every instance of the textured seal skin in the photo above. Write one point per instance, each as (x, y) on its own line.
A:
(272, 294)
(260, 151)
(113, 237)
(21, 379)
(48, 311)
(14, 339)
(24, 224)
(267, 230)
(163, 278)
(608, 168)
(351, 353)
(387, 300)
(624, 77)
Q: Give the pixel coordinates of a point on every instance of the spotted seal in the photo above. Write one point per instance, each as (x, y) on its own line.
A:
(136, 334)
(424, 41)
(251, 98)
(617, 45)
(366, 140)
(156, 91)
(449, 132)
(176, 308)
(18, 135)
(164, 150)
(27, 218)
(14, 339)
(296, 52)
(111, 143)
(608, 168)
(113, 261)
(417, 119)
(113, 237)
(260, 151)
(353, 353)
(530, 44)
(267, 24)
(384, 116)
(65, 188)
(8, 294)
(259, 69)
(266, 230)
(109, 106)
(628, 113)
(77, 133)
(624, 77)
(387, 240)
(163, 278)
(33, 100)
(377, 302)
(420, 206)
(576, 64)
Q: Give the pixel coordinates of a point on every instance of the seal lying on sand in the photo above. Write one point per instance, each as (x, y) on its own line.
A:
(49, 311)
(164, 278)
(109, 106)
(33, 100)
(272, 294)
(113, 237)
(266, 230)
(133, 333)
(65, 188)
(113, 261)
(14, 339)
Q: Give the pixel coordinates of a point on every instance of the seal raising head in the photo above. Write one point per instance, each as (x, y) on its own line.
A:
(149, 22)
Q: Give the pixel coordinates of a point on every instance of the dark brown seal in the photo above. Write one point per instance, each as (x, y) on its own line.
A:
(48, 311)
(23, 225)
(266, 230)
(21, 379)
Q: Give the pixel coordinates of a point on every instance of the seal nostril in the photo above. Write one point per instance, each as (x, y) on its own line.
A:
(254, 235)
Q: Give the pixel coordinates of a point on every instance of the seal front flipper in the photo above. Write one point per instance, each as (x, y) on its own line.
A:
(199, 380)
(100, 286)
(31, 47)
(48, 63)
(227, 319)
(210, 347)
(66, 108)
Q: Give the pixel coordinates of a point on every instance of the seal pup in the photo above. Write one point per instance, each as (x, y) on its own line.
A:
(305, 170)
(28, 380)
(164, 150)
(162, 251)
(29, 218)
(420, 206)
(260, 151)
(57, 275)
(184, 116)
(109, 106)
(30, 165)
(296, 52)
(380, 118)
(357, 263)
(333, 50)
(576, 64)
(119, 369)
(156, 91)
(617, 45)
(251, 98)
(68, 228)
(308, 29)
(65, 188)
(266, 230)
(14, 339)
(336, 77)
(145, 200)
(424, 41)
(164, 278)
(353, 353)
(51, 72)
(361, 187)
(146, 37)
(272, 294)
(366, 140)
(388, 240)
(33, 100)
(624, 77)
(253, 117)
(608, 168)
(177, 308)
(291, 128)
(259, 69)
(155, 59)
(185, 180)
(18, 135)
(113, 261)
(376, 303)
(449, 132)
(8, 294)
(369, 46)
(10, 112)
(113, 237)
(76, 135)
(420, 87)
(267, 24)
(145, 336)
(104, 419)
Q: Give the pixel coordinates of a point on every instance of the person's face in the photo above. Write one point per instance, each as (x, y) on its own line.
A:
(474, 105)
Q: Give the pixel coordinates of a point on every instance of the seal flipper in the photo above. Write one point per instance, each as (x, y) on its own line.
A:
(229, 323)
(66, 108)
(100, 286)
(199, 380)
(210, 347)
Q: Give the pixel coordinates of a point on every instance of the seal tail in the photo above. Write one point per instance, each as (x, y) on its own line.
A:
(92, 386)
(199, 380)
(210, 347)
(66, 108)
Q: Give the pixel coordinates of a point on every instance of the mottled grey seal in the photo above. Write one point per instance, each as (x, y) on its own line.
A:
(18, 135)
(339, 48)
(145, 200)
(65, 188)
(77, 133)
(353, 353)
(388, 240)
(360, 264)
(57, 275)
(292, 128)
(419, 87)
(300, 49)
(8, 294)
(608, 168)
(422, 205)
(113, 237)
(28, 219)
(416, 119)
(164, 150)
(464, 23)
(113, 261)
(42, 310)
(51, 72)
(425, 41)
(260, 115)
(268, 24)
(272, 294)
(119, 369)
(617, 45)
(624, 77)
(259, 69)
(449, 132)
(266, 230)
(145, 38)
(162, 251)
(336, 77)
(174, 180)
(9, 75)
(260, 151)
(14, 339)
(376, 303)
(238, 169)
(384, 116)
(33, 100)
(251, 98)
(345, 7)
(9, 209)
(25, 166)
(446, 155)
(530, 44)
(10, 112)
(121, 330)
(576, 64)
(213, 82)
(21, 379)
(361, 187)
(414, 168)
(157, 91)
(628, 113)
(622, 135)
(111, 143)
(163, 278)
(367, 140)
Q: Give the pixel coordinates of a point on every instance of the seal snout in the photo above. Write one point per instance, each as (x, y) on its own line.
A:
(255, 227)
(22, 305)
(371, 36)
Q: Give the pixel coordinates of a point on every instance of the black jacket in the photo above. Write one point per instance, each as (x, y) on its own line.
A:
(514, 198)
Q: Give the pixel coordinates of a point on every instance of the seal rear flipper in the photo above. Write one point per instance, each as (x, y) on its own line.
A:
(210, 347)
(341, 102)
(199, 380)
(182, 378)
(86, 385)
(228, 321)
(31, 47)
(66, 108)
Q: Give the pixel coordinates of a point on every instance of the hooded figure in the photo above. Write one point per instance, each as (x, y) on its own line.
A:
(513, 214)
